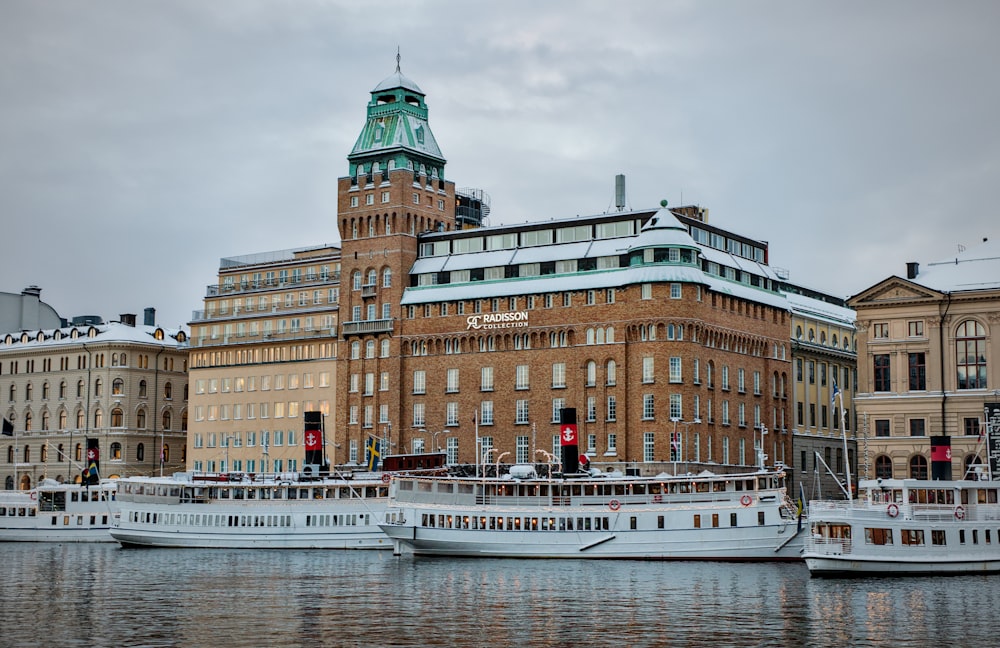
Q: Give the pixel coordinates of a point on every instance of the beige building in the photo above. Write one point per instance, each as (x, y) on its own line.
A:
(928, 363)
(263, 352)
(122, 383)
(824, 361)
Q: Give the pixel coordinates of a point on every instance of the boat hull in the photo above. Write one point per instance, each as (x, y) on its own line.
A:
(854, 567)
(58, 513)
(756, 544)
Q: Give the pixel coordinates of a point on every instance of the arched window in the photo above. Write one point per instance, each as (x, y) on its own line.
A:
(117, 417)
(386, 278)
(118, 387)
(116, 451)
(970, 355)
(79, 419)
(79, 389)
(918, 467)
(27, 422)
(166, 420)
(370, 349)
(356, 280)
(78, 452)
(44, 453)
(62, 419)
(45, 390)
(27, 454)
(591, 373)
(98, 387)
(140, 452)
(883, 467)
(372, 277)
(168, 391)
(27, 392)
(45, 420)
(798, 332)
(62, 389)
(165, 453)
(123, 361)
(385, 348)
(13, 393)
(98, 419)
(612, 373)
(140, 419)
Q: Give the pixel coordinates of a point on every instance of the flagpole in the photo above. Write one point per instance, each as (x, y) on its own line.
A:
(479, 454)
(843, 432)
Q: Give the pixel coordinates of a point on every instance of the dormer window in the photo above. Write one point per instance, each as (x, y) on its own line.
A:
(420, 138)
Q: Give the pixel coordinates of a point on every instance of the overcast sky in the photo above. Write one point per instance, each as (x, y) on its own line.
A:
(140, 142)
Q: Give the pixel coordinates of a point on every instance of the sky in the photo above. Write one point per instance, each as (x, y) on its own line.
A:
(141, 142)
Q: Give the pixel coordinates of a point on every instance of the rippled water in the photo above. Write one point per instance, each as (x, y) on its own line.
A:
(100, 595)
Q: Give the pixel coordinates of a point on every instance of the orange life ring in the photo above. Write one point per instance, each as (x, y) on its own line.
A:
(892, 510)
(746, 500)
(959, 513)
(386, 477)
(614, 505)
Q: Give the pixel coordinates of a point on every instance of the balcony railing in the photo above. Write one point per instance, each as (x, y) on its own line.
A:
(243, 287)
(365, 327)
(314, 333)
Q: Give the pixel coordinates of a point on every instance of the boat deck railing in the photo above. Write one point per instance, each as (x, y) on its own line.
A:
(865, 510)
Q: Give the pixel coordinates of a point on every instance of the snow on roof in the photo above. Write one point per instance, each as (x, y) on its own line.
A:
(397, 80)
(821, 309)
(976, 268)
(113, 332)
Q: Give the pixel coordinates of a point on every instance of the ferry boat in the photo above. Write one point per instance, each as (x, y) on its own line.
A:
(907, 527)
(738, 517)
(59, 512)
(277, 511)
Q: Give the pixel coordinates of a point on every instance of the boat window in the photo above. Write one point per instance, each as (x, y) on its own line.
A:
(878, 536)
(701, 487)
(465, 489)
(659, 522)
(697, 521)
(719, 487)
(760, 518)
(405, 485)
(732, 519)
(938, 537)
(424, 486)
(577, 490)
(912, 537)
(981, 492)
(619, 489)
(639, 489)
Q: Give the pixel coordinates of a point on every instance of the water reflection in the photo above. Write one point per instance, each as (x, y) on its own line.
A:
(100, 595)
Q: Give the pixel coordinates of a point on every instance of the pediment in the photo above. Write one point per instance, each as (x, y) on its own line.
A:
(894, 290)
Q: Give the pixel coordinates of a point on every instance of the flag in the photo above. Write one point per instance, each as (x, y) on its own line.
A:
(91, 472)
(8, 427)
(836, 390)
(373, 453)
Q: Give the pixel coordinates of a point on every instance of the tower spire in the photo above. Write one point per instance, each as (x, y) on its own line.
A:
(397, 59)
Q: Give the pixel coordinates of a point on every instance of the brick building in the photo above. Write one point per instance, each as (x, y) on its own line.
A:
(669, 336)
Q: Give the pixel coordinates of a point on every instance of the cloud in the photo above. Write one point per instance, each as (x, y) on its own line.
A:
(140, 143)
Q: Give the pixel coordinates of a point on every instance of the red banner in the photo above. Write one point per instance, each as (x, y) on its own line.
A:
(940, 453)
(567, 434)
(314, 440)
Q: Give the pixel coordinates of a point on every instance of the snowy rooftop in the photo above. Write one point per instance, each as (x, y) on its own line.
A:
(113, 332)
(976, 268)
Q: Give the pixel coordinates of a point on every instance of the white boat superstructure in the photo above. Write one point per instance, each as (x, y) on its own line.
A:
(58, 512)
(907, 526)
(703, 517)
(237, 510)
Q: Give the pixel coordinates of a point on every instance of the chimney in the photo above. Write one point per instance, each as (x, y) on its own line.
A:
(149, 316)
(912, 269)
(128, 319)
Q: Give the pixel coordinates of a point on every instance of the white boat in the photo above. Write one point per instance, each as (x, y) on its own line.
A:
(704, 517)
(56, 512)
(237, 511)
(907, 526)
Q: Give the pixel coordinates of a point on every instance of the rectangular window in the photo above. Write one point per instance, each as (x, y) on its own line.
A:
(676, 411)
(451, 413)
(880, 330)
(675, 291)
(486, 379)
(418, 415)
(881, 372)
(521, 449)
(557, 407)
(648, 374)
(521, 377)
(675, 369)
(558, 375)
(917, 427)
(648, 408)
(521, 412)
(971, 427)
(419, 382)
(882, 427)
(612, 414)
(452, 378)
(917, 371)
(486, 413)
(648, 446)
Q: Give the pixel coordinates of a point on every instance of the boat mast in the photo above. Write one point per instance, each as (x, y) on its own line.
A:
(843, 433)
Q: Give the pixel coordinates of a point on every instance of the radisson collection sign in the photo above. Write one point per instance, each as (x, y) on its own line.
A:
(513, 319)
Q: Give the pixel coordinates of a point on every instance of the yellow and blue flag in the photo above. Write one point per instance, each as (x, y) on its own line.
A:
(374, 455)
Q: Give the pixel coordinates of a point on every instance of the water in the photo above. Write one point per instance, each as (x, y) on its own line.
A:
(101, 595)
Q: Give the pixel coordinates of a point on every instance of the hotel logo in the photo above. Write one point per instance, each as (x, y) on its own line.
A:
(514, 319)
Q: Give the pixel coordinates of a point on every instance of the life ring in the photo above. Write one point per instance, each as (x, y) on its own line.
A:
(614, 505)
(959, 513)
(892, 510)
(657, 499)
(386, 477)
(34, 495)
(746, 500)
